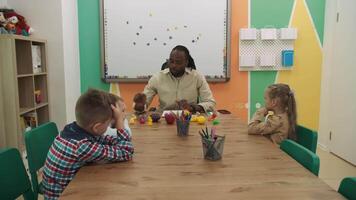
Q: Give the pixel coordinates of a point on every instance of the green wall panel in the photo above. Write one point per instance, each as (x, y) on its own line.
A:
(89, 45)
(266, 13)
(317, 12)
(258, 84)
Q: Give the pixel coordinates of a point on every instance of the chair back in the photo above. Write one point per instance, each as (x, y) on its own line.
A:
(307, 138)
(38, 141)
(14, 180)
(348, 188)
(301, 154)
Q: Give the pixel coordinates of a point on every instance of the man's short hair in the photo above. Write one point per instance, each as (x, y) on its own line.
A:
(94, 106)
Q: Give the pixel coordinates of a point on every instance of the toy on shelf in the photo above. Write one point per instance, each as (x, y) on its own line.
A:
(38, 96)
(13, 23)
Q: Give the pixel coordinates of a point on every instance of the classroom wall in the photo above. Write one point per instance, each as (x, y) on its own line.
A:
(56, 21)
(244, 92)
(3, 3)
(325, 100)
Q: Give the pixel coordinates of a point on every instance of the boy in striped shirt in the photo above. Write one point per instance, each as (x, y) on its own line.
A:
(82, 142)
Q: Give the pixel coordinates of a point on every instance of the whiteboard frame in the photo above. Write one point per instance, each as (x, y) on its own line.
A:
(144, 80)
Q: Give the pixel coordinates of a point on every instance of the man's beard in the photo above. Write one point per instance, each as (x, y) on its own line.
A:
(177, 73)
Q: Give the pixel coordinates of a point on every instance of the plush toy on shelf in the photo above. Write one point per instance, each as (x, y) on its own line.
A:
(14, 24)
(2, 23)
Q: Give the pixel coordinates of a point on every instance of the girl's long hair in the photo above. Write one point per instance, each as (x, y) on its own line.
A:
(287, 101)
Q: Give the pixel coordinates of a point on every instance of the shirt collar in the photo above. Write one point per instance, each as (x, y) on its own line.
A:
(187, 71)
(74, 131)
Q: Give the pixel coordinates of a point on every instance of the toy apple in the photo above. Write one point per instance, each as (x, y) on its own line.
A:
(170, 118)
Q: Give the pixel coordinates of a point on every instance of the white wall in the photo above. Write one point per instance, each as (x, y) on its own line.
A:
(325, 103)
(3, 3)
(56, 21)
(71, 55)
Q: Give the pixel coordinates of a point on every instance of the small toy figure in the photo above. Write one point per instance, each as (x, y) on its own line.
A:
(38, 96)
(149, 120)
(142, 119)
(155, 116)
(132, 119)
(139, 104)
(212, 116)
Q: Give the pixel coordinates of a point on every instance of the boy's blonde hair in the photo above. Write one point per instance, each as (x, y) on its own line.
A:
(94, 106)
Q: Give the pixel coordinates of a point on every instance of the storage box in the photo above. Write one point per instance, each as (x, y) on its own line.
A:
(287, 58)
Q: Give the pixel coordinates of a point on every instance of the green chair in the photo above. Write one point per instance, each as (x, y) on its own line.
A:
(301, 154)
(38, 141)
(348, 188)
(14, 180)
(307, 138)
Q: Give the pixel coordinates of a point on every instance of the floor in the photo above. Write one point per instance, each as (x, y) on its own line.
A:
(333, 169)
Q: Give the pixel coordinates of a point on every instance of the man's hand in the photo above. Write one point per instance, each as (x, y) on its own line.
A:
(191, 107)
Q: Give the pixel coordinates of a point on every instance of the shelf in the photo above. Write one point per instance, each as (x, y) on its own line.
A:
(25, 91)
(40, 91)
(38, 57)
(41, 105)
(42, 115)
(25, 110)
(24, 75)
(40, 74)
(23, 57)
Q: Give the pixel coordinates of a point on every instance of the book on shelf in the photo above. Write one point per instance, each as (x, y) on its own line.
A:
(36, 59)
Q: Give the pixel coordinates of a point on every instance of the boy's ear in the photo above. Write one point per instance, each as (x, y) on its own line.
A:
(96, 127)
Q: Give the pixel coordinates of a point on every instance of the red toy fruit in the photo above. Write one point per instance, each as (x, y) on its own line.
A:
(170, 118)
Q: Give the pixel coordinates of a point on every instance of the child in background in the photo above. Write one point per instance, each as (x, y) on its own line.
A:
(278, 119)
(82, 142)
(111, 129)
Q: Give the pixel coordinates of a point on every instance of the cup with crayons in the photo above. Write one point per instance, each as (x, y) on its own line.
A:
(182, 122)
(213, 145)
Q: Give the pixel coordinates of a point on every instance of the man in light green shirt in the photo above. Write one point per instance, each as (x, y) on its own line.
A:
(180, 86)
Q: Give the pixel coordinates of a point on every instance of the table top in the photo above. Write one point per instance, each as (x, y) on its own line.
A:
(166, 166)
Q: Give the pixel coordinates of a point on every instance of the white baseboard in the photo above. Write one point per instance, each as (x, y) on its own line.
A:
(323, 147)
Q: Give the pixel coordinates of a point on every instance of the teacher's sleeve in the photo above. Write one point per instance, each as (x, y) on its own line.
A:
(150, 90)
(206, 99)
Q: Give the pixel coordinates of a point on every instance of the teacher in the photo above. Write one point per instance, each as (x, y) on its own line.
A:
(180, 86)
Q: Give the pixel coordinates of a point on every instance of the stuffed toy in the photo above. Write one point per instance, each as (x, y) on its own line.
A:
(139, 104)
(21, 27)
(2, 19)
(2, 23)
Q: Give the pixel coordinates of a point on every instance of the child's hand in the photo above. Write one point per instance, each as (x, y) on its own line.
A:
(119, 115)
(262, 111)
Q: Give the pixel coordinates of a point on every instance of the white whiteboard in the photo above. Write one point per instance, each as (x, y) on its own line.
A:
(138, 36)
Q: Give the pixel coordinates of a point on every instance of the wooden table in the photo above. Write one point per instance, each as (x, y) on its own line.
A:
(167, 167)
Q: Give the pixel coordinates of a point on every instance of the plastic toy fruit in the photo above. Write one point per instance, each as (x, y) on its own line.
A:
(170, 118)
(201, 120)
(155, 117)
